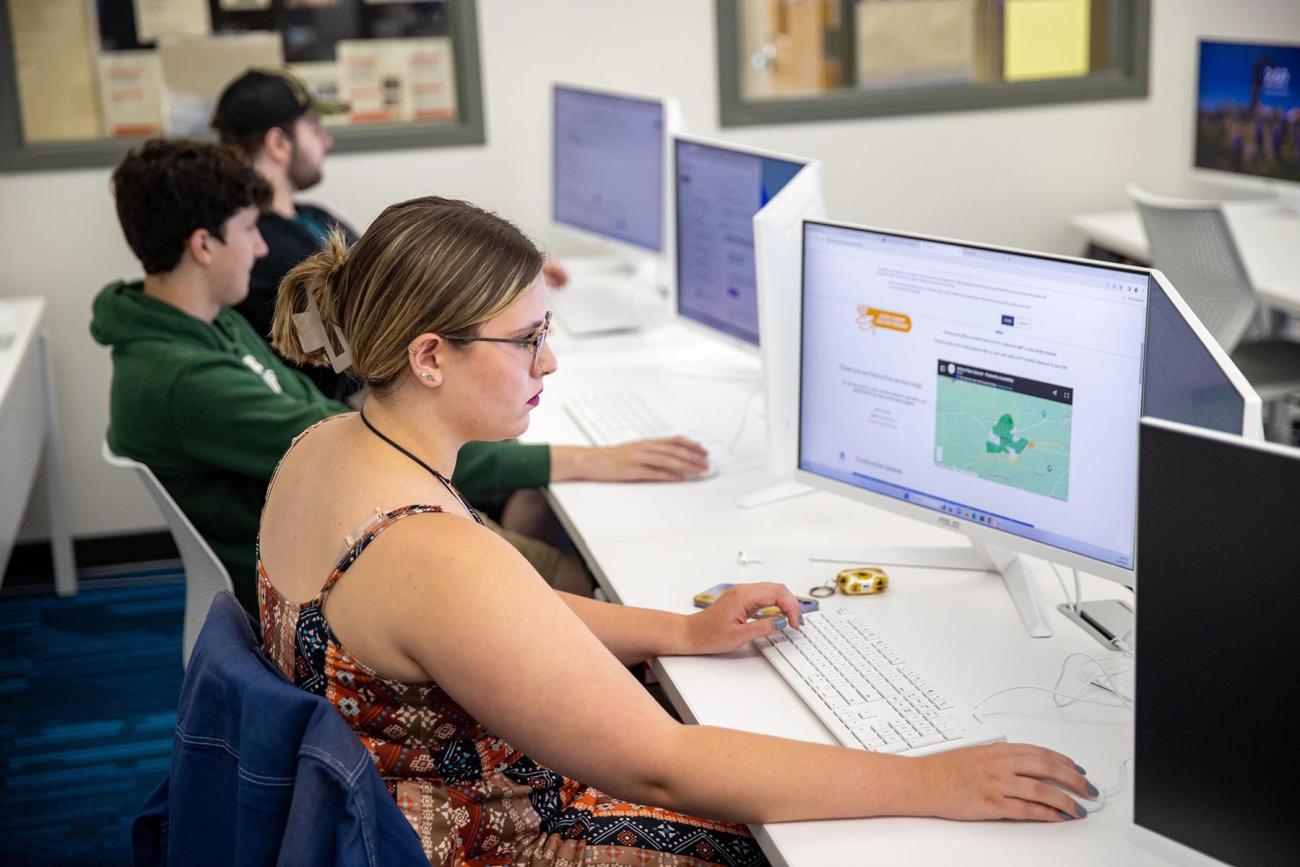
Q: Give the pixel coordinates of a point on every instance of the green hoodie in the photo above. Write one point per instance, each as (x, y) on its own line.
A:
(211, 410)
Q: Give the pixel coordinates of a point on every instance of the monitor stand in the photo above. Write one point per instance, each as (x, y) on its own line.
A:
(1019, 572)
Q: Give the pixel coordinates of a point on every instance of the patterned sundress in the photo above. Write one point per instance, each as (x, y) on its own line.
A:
(471, 797)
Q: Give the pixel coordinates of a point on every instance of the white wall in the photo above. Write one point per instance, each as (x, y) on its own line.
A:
(1009, 177)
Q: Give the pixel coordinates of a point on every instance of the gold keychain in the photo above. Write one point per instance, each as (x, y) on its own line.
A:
(859, 581)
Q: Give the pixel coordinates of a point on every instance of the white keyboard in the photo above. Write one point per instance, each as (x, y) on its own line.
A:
(594, 310)
(616, 416)
(868, 695)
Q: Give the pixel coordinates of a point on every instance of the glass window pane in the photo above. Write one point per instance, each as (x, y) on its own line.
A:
(802, 48)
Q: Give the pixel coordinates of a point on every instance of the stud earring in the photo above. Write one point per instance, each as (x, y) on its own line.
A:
(432, 379)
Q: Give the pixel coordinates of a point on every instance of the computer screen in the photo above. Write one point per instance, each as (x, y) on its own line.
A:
(1183, 380)
(608, 165)
(1217, 615)
(719, 190)
(1247, 103)
(999, 388)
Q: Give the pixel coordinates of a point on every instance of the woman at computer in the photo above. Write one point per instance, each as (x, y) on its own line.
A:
(484, 695)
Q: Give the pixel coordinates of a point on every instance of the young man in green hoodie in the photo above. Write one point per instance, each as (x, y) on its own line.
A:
(199, 397)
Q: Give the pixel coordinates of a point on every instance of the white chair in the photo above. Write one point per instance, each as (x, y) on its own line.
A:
(1192, 243)
(205, 577)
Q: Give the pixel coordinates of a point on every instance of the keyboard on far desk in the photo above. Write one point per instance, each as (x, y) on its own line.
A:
(868, 695)
(594, 310)
(615, 416)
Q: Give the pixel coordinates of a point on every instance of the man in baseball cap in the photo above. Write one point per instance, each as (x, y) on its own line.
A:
(273, 120)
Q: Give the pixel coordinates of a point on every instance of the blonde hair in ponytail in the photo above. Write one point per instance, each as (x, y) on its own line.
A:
(310, 281)
(424, 265)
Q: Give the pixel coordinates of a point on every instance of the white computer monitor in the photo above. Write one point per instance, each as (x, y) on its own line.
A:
(990, 391)
(1247, 101)
(608, 178)
(778, 249)
(1188, 377)
(718, 192)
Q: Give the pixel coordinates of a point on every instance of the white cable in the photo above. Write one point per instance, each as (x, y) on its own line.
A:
(744, 420)
(740, 428)
(1059, 580)
(1070, 698)
(1107, 675)
(1112, 791)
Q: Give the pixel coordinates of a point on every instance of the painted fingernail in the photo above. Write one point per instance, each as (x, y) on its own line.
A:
(1092, 791)
(1080, 769)
(780, 623)
(800, 620)
(1081, 811)
(1064, 816)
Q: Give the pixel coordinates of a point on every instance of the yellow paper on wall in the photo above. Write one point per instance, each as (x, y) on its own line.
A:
(1045, 39)
(55, 67)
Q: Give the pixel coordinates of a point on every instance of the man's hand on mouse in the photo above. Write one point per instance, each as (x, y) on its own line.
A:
(667, 459)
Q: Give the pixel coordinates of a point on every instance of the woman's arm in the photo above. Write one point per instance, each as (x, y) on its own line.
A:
(635, 634)
(468, 609)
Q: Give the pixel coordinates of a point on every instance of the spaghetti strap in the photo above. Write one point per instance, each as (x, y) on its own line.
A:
(357, 541)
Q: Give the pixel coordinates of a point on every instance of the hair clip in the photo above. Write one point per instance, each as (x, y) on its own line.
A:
(311, 333)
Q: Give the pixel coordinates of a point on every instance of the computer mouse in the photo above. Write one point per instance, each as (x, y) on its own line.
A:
(719, 453)
(707, 474)
(1090, 804)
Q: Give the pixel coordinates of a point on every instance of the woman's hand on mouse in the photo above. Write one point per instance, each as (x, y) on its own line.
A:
(1003, 781)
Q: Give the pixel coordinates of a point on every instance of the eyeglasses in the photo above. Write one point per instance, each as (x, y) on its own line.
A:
(536, 340)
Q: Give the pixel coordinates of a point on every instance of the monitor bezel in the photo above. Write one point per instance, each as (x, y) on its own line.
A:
(1252, 420)
(976, 532)
(669, 128)
(1145, 838)
(675, 266)
(1238, 180)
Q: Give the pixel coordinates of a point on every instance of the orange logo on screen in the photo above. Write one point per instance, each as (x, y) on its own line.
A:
(871, 318)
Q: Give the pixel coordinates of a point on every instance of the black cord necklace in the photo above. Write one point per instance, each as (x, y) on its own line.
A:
(446, 483)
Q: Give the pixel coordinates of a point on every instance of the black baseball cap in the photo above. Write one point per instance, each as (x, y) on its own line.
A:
(264, 98)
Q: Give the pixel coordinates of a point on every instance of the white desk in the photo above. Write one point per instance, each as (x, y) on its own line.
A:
(1267, 235)
(28, 432)
(659, 545)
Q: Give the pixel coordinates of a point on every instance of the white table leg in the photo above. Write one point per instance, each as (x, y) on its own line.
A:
(56, 489)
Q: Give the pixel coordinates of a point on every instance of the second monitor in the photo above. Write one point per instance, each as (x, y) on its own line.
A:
(718, 191)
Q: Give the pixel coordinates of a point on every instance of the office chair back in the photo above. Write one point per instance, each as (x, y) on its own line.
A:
(205, 576)
(1192, 244)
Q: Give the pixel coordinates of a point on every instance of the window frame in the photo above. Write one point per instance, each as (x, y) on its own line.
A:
(469, 128)
(1129, 38)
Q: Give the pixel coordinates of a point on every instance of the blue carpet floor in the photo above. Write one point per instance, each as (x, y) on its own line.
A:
(88, 691)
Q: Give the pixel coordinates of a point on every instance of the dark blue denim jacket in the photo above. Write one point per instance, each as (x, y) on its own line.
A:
(263, 772)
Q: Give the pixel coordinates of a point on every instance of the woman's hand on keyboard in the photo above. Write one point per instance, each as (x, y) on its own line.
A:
(670, 459)
(1003, 781)
(725, 625)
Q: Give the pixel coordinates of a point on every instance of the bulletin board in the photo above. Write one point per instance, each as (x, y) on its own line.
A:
(85, 79)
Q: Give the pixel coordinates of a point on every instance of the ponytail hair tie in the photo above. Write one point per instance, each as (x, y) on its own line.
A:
(311, 333)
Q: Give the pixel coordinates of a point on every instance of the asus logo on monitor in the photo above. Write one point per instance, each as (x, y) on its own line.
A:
(949, 523)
